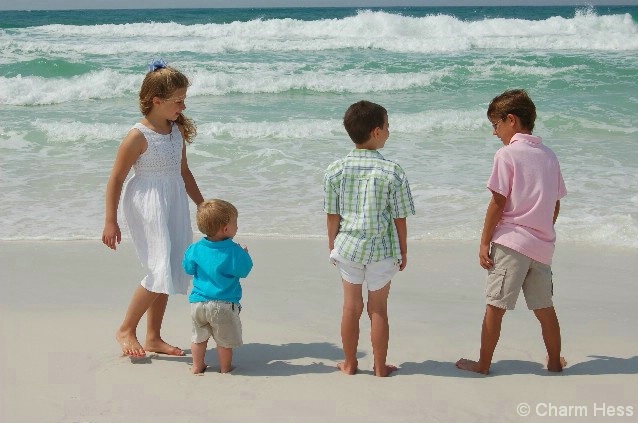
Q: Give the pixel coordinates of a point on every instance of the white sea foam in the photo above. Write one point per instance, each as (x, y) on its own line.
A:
(106, 84)
(68, 131)
(368, 30)
(321, 63)
(217, 133)
(268, 97)
(36, 90)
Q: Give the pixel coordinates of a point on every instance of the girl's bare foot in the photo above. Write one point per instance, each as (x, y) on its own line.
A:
(161, 347)
(130, 345)
(470, 366)
(554, 367)
(385, 370)
(199, 370)
(349, 369)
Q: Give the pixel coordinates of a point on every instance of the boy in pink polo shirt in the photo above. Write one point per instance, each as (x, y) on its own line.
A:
(518, 237)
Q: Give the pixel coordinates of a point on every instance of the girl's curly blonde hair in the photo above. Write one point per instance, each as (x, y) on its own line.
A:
(162, 83)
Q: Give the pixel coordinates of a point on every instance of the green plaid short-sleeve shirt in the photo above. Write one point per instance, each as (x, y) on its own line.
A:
(368, 192)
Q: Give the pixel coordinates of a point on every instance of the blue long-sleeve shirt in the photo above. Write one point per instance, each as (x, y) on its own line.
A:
(216, 267)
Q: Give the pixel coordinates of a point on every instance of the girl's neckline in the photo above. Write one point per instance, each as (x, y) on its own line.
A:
(159, 133)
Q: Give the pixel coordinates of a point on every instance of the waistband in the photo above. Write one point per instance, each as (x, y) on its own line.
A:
(231, 304)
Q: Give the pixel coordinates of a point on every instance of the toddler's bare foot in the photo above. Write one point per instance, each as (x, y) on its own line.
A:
(198, 370)
(161, 347)
(556, 367)
(349, 369)
(470, 366)
(228, 370)
(385, 370)
(130, 345)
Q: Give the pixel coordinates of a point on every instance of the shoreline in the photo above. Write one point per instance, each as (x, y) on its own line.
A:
(571, 245)
(61, 302)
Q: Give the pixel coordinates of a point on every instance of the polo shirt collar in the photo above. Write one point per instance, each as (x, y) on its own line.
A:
(217, 244)
(528, 138)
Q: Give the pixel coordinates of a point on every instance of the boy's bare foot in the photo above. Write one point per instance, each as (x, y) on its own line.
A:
(470, 366)
(348, 369)
(130, 345)
(385, 370)
(556, 368)
(199, 370)
(162, 347)
(230, 369)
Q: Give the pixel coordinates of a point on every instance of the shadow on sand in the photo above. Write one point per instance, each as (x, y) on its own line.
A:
(599, 365)
(297, 358)
(270, 360)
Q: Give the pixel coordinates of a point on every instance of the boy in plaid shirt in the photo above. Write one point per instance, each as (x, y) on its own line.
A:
(367, 199)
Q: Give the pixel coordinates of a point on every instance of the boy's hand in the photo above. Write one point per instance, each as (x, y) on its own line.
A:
(404, 261)
(484, 257)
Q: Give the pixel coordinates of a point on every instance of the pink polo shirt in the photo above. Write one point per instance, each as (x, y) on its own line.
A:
(528, 173)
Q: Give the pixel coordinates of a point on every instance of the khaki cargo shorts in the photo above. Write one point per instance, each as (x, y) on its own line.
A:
(513, 271)
(219, 320)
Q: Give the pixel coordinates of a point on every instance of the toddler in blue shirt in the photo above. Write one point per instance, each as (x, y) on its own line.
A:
(216, 263)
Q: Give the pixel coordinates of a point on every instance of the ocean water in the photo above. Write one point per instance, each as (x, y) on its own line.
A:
(269, 89)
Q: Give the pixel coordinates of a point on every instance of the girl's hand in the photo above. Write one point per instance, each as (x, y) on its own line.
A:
(111, 235)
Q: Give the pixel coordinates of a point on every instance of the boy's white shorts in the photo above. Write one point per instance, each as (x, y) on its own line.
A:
(376, 274)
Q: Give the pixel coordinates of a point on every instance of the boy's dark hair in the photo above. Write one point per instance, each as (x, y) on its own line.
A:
(212, 215)
(362, 118)
(515, 102)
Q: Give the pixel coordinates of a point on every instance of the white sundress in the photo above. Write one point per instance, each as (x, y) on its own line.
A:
(155, 207)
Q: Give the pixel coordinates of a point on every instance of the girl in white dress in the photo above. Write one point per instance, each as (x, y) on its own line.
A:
(154, 204)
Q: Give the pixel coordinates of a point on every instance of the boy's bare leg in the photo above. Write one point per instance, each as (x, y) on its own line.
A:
(199, 354)
(352, 310)
(551, 336)
(225, 359)
(127, 333)
(490, 335)
(380, 329)
(154, 318)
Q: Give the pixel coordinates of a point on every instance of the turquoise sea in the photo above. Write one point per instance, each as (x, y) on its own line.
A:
(269, 88)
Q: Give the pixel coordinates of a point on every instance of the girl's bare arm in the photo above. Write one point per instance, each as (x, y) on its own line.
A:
(133, 145)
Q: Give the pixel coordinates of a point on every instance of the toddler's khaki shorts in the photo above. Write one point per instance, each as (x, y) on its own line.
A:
(219, 320)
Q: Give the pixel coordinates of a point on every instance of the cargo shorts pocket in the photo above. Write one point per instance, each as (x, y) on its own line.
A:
(495, 282)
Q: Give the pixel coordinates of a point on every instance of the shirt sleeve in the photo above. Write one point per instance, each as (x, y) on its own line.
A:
(402, 204)
(331, 193)
(501, 178)
(190, 266)
(562, 190)
(243, 262)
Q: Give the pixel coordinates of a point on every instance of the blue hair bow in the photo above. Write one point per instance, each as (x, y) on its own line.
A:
(157, 64)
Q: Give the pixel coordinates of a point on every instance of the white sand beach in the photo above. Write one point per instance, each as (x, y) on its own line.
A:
(61, 302)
